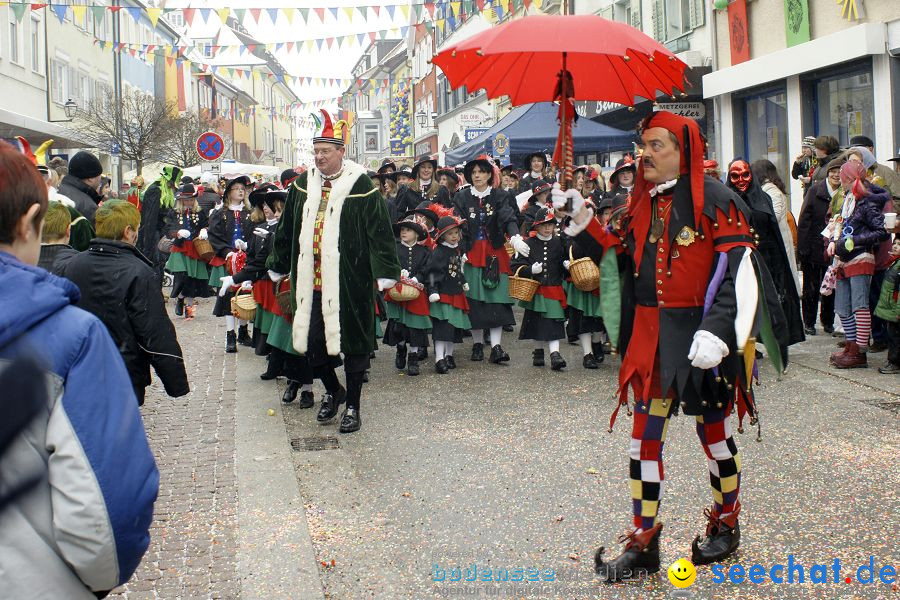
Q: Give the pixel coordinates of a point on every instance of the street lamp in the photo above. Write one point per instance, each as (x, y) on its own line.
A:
(71, 110)
(421, 117)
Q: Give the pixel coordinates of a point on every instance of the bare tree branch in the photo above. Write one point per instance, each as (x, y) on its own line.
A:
(183, 131)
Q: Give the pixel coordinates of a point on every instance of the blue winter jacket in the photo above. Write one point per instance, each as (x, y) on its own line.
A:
(85, 526)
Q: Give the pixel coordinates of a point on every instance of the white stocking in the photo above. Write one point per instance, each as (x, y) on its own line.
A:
(229, 322)
(440, 350)
(553, 346)
(585, 339)
(242, 322)
(496, 336)
(478, 336)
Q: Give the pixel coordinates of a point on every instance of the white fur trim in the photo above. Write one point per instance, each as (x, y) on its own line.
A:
(330, 254)
(746, 290)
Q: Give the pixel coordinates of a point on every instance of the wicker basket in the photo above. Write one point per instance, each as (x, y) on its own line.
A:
(203, 249)
(509, 249)
(283, 296)
(585, 273)
(404, 292)
(243, 306)
(522, 288)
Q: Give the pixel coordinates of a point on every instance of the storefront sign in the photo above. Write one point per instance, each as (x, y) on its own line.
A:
(397, 148)
(738, 32)
(501, 148)
(425, 147)
(694, 110)
(473, 132)
(796, 21)
(472, 117)
(593, 109)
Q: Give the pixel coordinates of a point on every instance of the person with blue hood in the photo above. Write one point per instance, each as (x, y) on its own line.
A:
(85, 480)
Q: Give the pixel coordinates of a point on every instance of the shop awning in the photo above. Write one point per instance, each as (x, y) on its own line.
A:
(533, 128)
(37, 131)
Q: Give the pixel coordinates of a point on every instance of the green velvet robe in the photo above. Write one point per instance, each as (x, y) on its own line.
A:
(357, 248)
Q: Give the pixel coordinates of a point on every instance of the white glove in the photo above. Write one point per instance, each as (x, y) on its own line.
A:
(557, 197)
(183, 233)
(465, 287)
(240, 244)
(519, 245)
(434, 297)
(413, 280)
(204, 234)
(464, 258)
(276, 276)
(227, 282)
(537, 268)
(247, 285)
(566, 264)
(404, 274)
(577, 201)
(261, 232)
(707, 350)
(386, 284)
(229, 255)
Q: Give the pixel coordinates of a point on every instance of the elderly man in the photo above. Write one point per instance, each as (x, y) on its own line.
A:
(688, 341)
(336, 241)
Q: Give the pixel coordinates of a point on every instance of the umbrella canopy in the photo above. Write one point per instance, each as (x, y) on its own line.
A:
(523, 58)
(532, 128)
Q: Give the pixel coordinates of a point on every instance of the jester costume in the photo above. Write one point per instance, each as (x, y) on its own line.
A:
(696, 283)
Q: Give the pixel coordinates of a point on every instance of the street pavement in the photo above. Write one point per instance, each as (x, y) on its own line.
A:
(507, 467)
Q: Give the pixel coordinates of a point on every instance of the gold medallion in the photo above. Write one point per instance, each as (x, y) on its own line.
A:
(656, 230)
(686, 236)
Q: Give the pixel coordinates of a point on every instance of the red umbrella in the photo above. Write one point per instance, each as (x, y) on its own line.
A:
(526, 58)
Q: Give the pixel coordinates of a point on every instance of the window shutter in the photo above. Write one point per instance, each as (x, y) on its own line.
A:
(659, 21)
(636, 20)
(698, 14)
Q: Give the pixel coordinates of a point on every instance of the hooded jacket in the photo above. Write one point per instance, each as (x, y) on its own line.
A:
(867, 223)
(84, 525)
(84, 196)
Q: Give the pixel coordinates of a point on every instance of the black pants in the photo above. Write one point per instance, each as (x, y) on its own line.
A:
(812, 280)
(893, 333)
(323, 365)
(139, 391)
(879, 326)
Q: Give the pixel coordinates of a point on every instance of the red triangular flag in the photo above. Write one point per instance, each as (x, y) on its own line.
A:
(114, 8)
(320, 12)
(290, 46)
(37, 6)
(251, 48)
(188, 15)
(255, 13)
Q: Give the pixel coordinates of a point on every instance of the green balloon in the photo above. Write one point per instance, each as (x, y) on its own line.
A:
(721, 4)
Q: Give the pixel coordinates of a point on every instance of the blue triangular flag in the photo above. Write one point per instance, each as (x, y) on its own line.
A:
(60, 10)
(333, 11)
(273, 14)
(135, 13)
(390, 9)
(204, 13)
(279, 46)
(319, 43)
(360, 37)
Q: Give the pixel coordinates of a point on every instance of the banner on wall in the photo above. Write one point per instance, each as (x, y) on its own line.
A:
(796, 21)
(738, 32)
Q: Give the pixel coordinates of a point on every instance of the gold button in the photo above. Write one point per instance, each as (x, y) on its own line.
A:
(668, 273)
(729, 220)
(659, 282)
(635, 275)
(715, 225)
(659, 292)
(659, 260)
(659, 270)
(661, 250)
(661, 303)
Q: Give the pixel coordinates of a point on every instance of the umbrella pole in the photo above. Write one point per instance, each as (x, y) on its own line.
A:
(564, 183)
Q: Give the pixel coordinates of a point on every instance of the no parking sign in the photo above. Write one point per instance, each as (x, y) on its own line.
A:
(210, 145)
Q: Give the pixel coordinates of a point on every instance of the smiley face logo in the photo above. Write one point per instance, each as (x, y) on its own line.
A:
(682, 573)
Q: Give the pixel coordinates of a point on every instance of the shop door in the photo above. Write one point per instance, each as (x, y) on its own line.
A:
(765, 129)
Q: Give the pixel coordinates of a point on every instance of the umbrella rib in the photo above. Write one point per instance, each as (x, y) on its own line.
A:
(522, 80)
(619, 77)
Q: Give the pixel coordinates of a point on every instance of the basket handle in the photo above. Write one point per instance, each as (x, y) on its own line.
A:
(516, 274)
(571, 258)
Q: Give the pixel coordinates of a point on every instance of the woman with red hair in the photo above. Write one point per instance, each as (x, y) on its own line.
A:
(855, 234)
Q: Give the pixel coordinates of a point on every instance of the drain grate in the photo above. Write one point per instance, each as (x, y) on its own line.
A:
(315, 443)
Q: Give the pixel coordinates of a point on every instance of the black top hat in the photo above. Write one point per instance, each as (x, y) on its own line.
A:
(539, 188)
(508, 169)
(258, 196)
(409, 223)
(421, 161)
(862, 140)
(544, 215)
(404, 170)
(528, 158)
(624, 164)
(187, 191)
(481, 161)
(392, 175)
(424, 209)
(450, 173)
(275, 195)
(387, 164)
(287, 177)
(445, 224)
(242, 179)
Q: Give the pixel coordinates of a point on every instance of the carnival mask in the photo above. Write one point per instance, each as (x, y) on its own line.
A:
(739, 175)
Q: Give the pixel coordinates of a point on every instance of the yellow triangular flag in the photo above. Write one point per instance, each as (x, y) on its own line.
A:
(348, 10)
(78, 11)
(454, 6)
(289, 15)
(440, 24)
(153, 14)
(538, 3)
(404, 10)
(223, 14)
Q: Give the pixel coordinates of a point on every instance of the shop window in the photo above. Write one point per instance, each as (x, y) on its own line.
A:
(761, 130)
(845, 106)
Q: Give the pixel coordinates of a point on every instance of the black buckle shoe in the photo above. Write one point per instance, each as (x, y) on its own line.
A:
(400, 360)
(809, 330)
(639, 559)
(307, 400)
(589, 362)
(451, 362)
(290, 393)
(412, 366)
(509, 328)
(423, 353)
(230, 342)
(243, 337)
(498, 355)
(179, 307)
(723, 536)
(557, 362)
(350, 421)
(330, 403)
(477, 352)
(537, 357)
(441, 368)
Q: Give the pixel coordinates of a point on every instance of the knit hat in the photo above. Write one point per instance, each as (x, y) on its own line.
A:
(809, 141)
(85, 165)
(332, 134)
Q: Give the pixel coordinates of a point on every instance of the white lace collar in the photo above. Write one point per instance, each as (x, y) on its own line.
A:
(662, 187)
(481, 195)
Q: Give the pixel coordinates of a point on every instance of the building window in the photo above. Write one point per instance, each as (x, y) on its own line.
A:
(15, 54)
(207, 50)
(59, 81)
(762, 128)
(844, 105)
(35, 44)
(677, 18)
(176, 18)
(371, 138)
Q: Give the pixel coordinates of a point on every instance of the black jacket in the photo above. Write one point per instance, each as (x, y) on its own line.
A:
(84, 196)
(812, 220)
(54, 256)
(119, 286)
(258, 249)
(409, 197)
(414, 259)
(153, 223)
(867, 223)
(822, 169)
(527, 182)
(444, 271)
(192, 221)
(491, 218)
(550, 254)
(221, 230)
(208, 201)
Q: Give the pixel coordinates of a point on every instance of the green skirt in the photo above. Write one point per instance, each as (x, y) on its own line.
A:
(546, 307)
(281, 335)
(399, 314)
(263, 320)
(586, 302)
(477, 291)
(215, 276)
(182, 263)
(451, 314)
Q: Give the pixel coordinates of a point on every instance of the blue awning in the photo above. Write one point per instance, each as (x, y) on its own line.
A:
(533, 128)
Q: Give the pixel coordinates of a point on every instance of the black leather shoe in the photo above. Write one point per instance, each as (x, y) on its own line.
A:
(557, 362)
(509, 328)
(230, 342)
(809, 330)
(330, 403)
(498, 355)
(423, 354)
(639, 559)
(274, 367)
(243, 337)
(307, 400)
(290, 393)
(350, 421)
(537, 357)
(366, 377)
(400, 360)
(590, 362)
(412, 366)
(451, 362)
(723, 536)
(477, 352)
(829, 329)
(440, 367)
(179, 307)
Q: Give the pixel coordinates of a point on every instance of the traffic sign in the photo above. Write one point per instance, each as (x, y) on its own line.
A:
(210, 145)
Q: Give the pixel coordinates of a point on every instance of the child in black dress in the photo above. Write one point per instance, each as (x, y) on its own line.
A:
(184, 223)
(447, 289)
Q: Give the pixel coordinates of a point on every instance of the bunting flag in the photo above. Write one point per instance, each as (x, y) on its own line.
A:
(60, 11)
